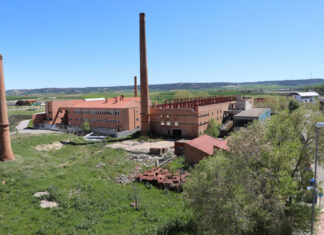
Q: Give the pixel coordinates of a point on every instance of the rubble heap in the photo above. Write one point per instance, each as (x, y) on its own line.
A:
(162, 178)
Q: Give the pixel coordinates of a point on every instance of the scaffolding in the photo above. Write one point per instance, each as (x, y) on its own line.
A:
(193, 103)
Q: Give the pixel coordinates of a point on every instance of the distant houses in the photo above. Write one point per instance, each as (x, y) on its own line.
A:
(305, 97)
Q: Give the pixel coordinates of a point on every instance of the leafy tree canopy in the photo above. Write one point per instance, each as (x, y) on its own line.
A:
(212, 128)
(260, 186)
(86, 127)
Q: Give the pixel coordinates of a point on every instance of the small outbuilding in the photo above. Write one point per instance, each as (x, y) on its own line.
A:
(249, 115)
(305, 97)
(203, 146)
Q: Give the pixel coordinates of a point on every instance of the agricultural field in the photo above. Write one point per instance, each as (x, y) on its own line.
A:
(81, 177)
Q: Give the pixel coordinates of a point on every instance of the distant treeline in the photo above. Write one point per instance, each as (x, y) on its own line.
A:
(173, 86)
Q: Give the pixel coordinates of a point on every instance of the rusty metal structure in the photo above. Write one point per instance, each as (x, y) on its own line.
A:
(259, 100)
(135, 86)
(145, 106)
(193, 103)
(5, 145)
(162, 178)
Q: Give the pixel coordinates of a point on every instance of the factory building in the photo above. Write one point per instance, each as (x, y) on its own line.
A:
(188, 117)
(106, 116)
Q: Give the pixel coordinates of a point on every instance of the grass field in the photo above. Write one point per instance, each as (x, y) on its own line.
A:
(81, 178)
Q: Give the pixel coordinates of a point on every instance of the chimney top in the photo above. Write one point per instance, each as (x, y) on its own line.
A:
(142, 14)
(0, 57)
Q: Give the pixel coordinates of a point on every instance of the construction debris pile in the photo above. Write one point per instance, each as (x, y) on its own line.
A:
(162, 178)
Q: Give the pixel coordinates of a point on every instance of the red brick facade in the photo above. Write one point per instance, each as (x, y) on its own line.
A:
(118, 113)
(186, 122)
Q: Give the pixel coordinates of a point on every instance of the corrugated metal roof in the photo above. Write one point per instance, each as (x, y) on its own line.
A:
(253, 112)
(207, 143)
(309, 93)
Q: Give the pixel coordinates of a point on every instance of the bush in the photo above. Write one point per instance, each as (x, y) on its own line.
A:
(86, 127)
(213, 128)
(293, 105)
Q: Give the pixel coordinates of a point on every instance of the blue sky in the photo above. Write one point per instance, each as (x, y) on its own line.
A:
(76, 43)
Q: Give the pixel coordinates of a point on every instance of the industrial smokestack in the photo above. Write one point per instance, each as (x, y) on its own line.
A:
(5, 145)
(135, 86)
(145, 109)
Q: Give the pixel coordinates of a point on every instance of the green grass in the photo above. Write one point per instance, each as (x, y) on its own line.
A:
(80, 177)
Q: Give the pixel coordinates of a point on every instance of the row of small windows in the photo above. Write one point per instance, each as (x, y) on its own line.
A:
(102, 112)
(168, 123)
(97, 120)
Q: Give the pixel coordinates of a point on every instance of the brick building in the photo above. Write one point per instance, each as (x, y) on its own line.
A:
(104, 115)
(203, 146)
(188, 117)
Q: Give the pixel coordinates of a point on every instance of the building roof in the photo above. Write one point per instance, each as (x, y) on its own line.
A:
(107, 103)
(309, 93)
(253, 112)
(207, 144)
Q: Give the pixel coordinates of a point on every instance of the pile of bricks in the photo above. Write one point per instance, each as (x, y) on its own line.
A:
(162, 178)
(158, 151)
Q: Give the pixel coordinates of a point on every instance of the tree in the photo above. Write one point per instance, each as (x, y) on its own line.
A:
(86, 127)
(212, 128)
(259, 187)
(293, 105)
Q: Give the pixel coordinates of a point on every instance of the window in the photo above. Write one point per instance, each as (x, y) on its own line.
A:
(168, 123)
(85, 111)
(162, 123)
(136, 119)
(176, 123)
(161, 116)
(49, 112)
(93, 111)
(117, 112)
(167, 116)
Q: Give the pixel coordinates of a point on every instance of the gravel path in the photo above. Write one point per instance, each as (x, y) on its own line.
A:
(22, 129)
(22, 125)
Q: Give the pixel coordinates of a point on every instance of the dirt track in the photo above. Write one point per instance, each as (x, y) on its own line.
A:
(141, 147)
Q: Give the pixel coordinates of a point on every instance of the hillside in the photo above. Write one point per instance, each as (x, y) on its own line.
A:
(173, 86)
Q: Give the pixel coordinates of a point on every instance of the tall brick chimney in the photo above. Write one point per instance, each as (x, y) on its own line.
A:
(135, 86)
(145, 109)
(5, 145)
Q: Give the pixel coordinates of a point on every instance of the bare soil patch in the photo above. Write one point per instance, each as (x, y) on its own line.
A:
(49, 147)
(141, 146)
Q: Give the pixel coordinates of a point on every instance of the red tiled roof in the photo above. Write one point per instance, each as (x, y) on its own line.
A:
(110, 103)
(207, 143)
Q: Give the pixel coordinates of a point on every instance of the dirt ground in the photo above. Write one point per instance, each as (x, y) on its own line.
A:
(49, 147)
(141, 146)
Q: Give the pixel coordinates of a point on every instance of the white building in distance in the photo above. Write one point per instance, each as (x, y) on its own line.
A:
(305, 97)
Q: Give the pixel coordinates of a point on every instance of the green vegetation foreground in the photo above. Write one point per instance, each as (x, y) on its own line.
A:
(80, 177)
(260, 187)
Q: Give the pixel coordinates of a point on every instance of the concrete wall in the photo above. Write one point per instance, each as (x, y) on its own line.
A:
(305, 99)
